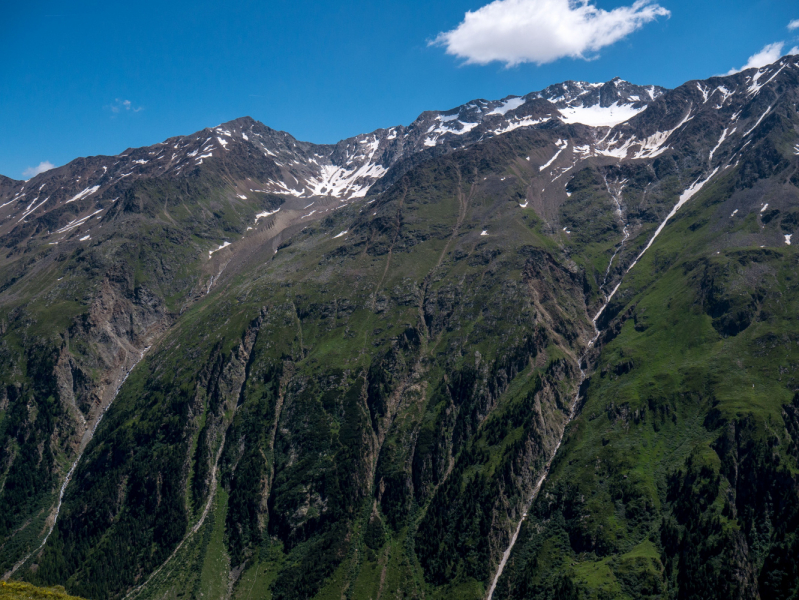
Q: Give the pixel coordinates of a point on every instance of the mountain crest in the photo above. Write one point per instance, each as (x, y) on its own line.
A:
(630, 122)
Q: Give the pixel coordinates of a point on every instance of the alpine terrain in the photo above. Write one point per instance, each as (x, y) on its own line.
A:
(540, 347)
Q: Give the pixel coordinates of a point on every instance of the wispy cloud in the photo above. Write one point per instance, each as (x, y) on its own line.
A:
(121, 106)
(793, 24)
(543, 31)
(34, 171)
(769, 54)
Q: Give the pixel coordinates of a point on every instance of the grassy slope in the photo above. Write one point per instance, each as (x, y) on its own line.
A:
(683, 424)
(18, 590)
(339, 312)
(153, 255)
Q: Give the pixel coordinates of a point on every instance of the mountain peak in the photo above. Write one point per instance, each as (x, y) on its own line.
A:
(350, 168)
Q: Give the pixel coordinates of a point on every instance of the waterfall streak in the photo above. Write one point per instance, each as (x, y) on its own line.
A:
(617, 197)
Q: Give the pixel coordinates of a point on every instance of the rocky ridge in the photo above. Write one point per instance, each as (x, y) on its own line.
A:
(344, 171)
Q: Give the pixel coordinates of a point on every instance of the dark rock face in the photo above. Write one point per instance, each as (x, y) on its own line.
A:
(359, 360)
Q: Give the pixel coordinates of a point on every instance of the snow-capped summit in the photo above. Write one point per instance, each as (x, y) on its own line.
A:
(616, 120)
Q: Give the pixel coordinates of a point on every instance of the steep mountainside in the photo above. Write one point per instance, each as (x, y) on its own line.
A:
(542, 347)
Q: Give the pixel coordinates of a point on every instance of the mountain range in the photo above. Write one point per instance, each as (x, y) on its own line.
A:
(537, 347)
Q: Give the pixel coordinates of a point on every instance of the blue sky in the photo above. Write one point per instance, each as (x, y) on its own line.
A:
(87, 77)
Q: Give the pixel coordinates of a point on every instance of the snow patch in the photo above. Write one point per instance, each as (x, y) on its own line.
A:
(684, 197)
(755, 87)
(760, 120)
(705, 94)
(507, 106)
(84, 194)
(29, 210)
(562, 145)
(340, 234)
(338, 181)
(600, 116)
(721, 141)
(651, 147)
(520, 122)
(725, 94)
(443, 129)
(77, 222)
(224, 245)
(266, 214)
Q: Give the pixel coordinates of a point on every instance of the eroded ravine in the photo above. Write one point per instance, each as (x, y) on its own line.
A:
(545, 473)
(206, 509)
(685, 196)
(243, 354)
(616, 194)
(71, 471)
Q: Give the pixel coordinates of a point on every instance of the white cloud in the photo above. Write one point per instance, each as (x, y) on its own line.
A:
(793, 51)
(123, 106)
(542, 31)
(769, 54)
(793, 24)
(34, 171)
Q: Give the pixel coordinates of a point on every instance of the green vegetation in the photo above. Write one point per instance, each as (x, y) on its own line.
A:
(19, 590)
(339, 413)
(367, 416)
(679, 477)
